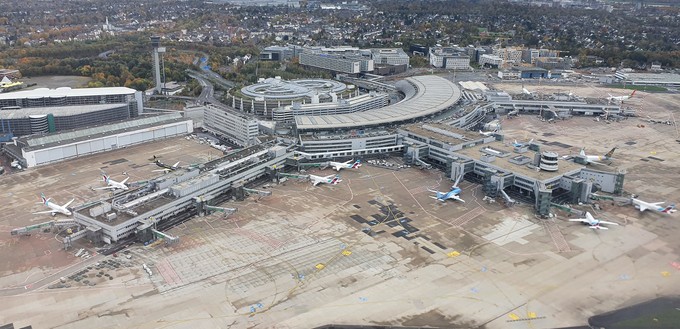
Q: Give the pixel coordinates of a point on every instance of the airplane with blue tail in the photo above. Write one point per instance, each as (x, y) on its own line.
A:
(453, 194)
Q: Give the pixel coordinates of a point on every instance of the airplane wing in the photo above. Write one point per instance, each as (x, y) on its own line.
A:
(337, 167)
(456, 197)
(316, 182)
(44, 212)
(104, 188)
(643, 207)
(125, 180)
(598, 163)
(176, 164)
(597, 227)
(68, 203)
(582, 220)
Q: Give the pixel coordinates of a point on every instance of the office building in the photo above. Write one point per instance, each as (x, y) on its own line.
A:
(449, 58)
(389, 56)
(232, 125)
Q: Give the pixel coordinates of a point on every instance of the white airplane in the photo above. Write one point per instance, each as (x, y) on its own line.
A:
(330, 179)
(166, 168)
(518, 144)
(656, 206)
(592, 222)
(488, 133)
(55, 208)
(112, 184)
(453, 194)
(527, 92)
(595, 158)
(341, 165)
(620, 98)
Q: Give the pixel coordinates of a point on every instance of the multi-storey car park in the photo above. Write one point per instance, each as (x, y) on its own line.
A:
(365, 102)
(268, 94)
(45, 110)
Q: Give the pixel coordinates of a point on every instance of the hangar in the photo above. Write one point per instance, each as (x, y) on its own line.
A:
(38, 150)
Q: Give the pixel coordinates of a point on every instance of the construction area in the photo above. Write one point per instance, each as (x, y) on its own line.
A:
(375, 249)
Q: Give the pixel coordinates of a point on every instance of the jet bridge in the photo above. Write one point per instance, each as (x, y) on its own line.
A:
(26, 230)
(258, 192)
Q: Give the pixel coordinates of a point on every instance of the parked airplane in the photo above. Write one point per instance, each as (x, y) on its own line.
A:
(330, 179)
(592, 222)
(620, 98)
(518, 144)
(453, 194)
(112, 184)
(595, 158)
(55, 208)
(340, 165)
(527, 92)
(488, 133)
(166, 168)
(656, 206)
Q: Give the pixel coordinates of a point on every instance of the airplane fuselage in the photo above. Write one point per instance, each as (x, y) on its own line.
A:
(57, 209)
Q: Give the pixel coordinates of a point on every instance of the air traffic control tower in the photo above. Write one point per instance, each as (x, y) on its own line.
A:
(157, 63)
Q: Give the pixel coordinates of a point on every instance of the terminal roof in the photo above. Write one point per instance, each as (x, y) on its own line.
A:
(432, 94)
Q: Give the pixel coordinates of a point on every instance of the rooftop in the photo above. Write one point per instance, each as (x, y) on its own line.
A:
(433, 94)
(506, 165)
(56, 110)
(45, 141)
(443, 132)
(67, 92)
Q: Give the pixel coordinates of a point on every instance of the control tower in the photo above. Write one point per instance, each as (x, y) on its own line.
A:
(158, 64)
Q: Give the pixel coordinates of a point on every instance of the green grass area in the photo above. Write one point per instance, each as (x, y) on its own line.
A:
(641, 88)
(669, 318)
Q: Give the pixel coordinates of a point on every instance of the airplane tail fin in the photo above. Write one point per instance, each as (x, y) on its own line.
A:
(357, 164)
(583, 152)
(668, 210)
(44, 199)
(105, 178)
(610, 153)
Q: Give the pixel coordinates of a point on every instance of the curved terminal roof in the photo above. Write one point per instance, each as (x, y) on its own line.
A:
(432, 94)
